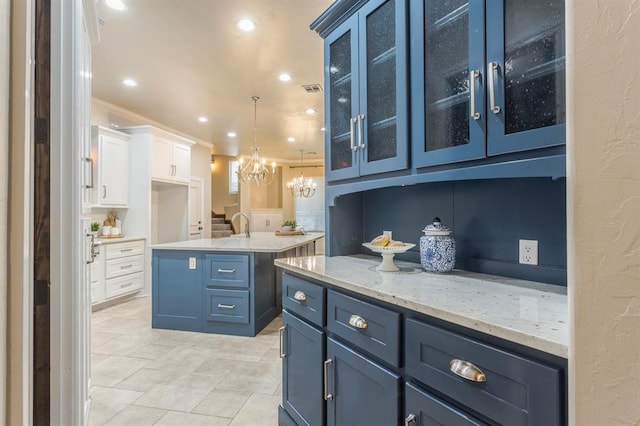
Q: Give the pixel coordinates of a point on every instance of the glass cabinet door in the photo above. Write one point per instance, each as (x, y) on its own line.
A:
(448, 106)
(382, 134)
(342, 100)
(526, 66)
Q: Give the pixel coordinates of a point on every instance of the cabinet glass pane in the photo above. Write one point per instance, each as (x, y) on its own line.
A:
(534, 64)
(340, 99)
(381, 83)
(446, 73)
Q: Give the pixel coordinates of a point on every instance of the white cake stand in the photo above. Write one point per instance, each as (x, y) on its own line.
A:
(387, 253)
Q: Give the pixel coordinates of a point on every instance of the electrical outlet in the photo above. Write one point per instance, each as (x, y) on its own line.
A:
(192, 263)
(528, 253)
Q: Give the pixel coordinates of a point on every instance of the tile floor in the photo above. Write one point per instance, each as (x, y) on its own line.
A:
(144, 376)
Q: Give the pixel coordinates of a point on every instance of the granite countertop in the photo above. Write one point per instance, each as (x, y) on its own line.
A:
(266, 242)
(124, 239)
(525, 312)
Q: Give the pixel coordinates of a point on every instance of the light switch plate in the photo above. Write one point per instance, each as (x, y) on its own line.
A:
(192, 263)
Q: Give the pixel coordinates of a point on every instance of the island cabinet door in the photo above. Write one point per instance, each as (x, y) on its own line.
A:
(302, 351)
(177, 290)
(359, 392)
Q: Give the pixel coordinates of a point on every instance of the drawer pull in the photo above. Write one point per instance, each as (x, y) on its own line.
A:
(126, 285)
(411, 418)
(125, 250)
(223, 306)
(282, 354)
(300, 296)
(327, 396)
(358, 322)
(126, 266)
(226, 271)
(467, 370)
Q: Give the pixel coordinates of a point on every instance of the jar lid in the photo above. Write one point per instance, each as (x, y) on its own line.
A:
(436, 228)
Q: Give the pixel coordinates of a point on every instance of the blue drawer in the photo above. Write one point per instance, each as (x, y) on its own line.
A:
(284, 419)
(303, 298)
(515, 391)
(373, 329)
(224, 270)
(226, 306)
(429, 410)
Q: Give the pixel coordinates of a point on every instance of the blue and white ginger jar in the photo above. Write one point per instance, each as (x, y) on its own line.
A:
(437, 248)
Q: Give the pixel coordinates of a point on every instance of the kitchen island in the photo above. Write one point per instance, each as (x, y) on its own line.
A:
(456, 348)
(222, 285)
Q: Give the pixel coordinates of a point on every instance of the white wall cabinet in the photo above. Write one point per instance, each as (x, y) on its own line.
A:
(110, 176)
(170, 160)
(118, 270)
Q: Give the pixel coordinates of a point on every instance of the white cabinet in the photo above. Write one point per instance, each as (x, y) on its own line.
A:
(118, 270)
(110, 156)
(170, 160)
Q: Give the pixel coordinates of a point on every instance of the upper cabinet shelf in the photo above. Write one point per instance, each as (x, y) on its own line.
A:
(487, 85)
(366, 91)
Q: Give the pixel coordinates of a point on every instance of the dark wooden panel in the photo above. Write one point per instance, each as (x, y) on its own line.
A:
(41, 215)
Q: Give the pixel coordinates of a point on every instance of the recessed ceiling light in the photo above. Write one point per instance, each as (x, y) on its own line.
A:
(310, 111)
(116, 4)
(246, 25)
(114, 125)
(284, 77)
(203, 119)
(291, 139)
(129, 82)
(231, 134)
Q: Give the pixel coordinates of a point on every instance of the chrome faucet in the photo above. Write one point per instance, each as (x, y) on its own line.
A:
(246, 228)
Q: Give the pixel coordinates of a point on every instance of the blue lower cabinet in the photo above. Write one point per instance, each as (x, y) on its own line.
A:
(284, 419)
(303, 350)
(359, 391)
(177, 290)
(422, 409)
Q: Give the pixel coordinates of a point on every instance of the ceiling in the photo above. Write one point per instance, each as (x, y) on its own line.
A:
(190, 60)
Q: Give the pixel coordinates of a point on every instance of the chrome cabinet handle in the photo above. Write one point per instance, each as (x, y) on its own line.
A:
(358, 322)
(493, 71)
(327, 396)
(226, 271)
(104, 191)
(90, 161)
(125, 250)
(352, 121)
(282, 354)
(360, 130)
(126, 266)
(223, 306)
(411, 418)
(126, 285)
(300, 296)
(472, 80)
(467, 371)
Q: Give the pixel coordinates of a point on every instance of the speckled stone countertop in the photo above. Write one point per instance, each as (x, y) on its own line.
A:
(266, 242)
(118, 240)
(525, 312)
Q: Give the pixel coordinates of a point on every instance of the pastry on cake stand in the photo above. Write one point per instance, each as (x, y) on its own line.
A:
(388, 252)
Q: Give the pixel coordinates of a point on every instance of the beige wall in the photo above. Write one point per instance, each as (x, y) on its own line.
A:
(220, 196)
(603, 189)
(4, 196)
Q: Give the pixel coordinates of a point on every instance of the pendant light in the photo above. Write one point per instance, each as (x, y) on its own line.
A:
(301, 187)
(255, 170)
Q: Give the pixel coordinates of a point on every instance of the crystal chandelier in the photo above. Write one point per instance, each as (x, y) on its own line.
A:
(255, 170)
(301, 187)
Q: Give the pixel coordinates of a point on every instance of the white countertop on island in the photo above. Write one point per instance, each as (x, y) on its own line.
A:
(528, 313)
(266, 242)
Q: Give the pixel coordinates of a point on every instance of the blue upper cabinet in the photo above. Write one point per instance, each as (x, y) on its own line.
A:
(366, 92)
(471, 99)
